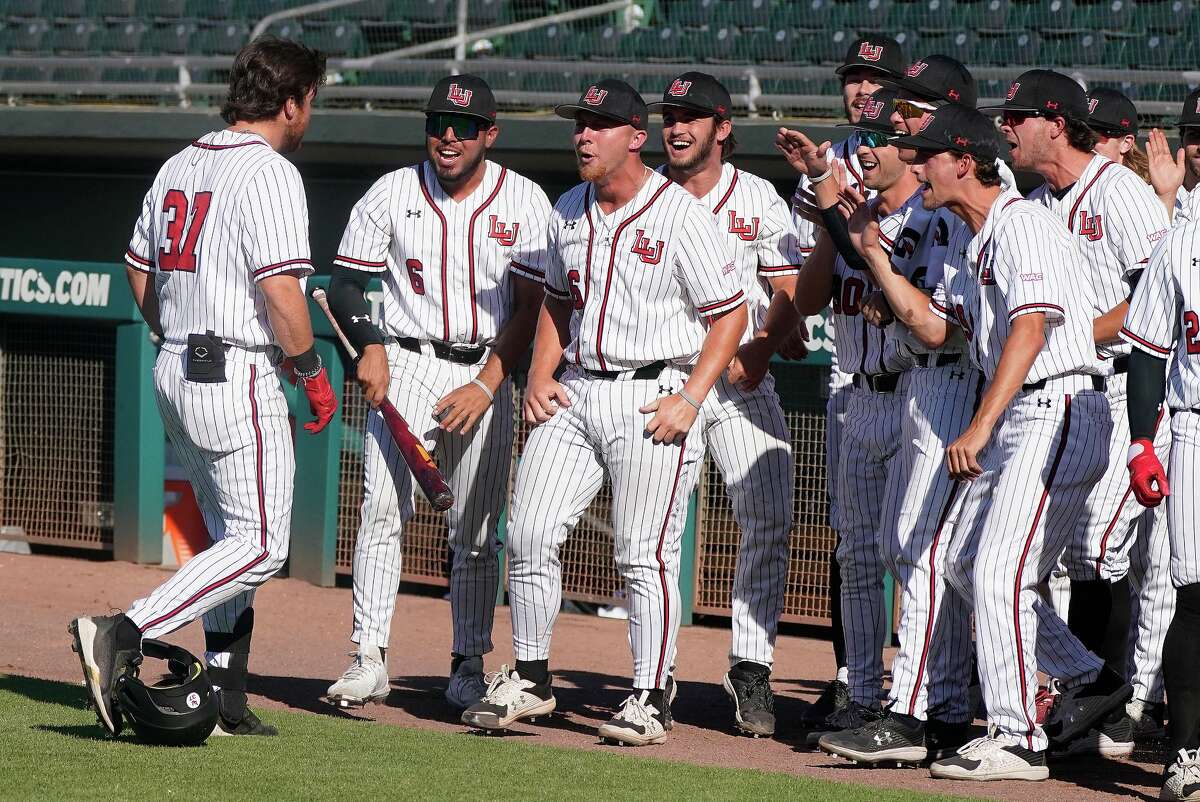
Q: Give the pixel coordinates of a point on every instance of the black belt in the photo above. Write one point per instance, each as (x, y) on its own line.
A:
(938, 360)
(1098, 384)
(879, 383)
(451, 352)
(1120, 364)
(650, 371)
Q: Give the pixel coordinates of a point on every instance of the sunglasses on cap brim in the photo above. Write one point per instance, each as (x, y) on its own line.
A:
(913, 108)
(874, 139)
(464, 126)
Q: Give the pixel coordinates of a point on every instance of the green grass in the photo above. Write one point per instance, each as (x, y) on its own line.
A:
(51, 749)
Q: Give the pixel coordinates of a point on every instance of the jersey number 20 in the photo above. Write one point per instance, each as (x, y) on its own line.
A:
(179, 250)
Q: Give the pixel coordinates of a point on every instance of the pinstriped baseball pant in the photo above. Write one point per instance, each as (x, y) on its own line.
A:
(1047, 450)
(561, 470)
(234, 440)
(476, 467)
(749, 440)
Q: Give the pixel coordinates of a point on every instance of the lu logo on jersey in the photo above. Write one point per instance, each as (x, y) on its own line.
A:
(650, 254)
(459, 96)
(505, 235)
(1091, 227)
(737, 225)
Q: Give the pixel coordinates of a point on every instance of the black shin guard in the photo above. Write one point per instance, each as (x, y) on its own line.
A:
(1115, 647)
(232, 679)
(1087, 617)
(1181, 656)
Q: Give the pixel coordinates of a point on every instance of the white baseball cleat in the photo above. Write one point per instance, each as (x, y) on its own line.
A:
(988, 758)
(1181, 777)
(467, 686)
(637, 723)
(365, 681)
(509, 699)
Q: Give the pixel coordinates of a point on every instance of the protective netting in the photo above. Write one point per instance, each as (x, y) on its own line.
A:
(56, 423)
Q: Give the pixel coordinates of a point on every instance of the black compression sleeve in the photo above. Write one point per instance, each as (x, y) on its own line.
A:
(839, 232)
(350, 309)
(1146, 388)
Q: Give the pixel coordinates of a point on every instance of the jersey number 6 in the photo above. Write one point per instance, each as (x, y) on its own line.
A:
(179, 250)
(414, 275)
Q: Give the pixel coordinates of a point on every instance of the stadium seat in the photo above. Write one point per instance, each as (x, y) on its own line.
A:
(67, 9)
(604, 43)
(1185, 53)
(484, 13)
(287, 29)
(1127, 88)
(129, 75)
(500, 80)
(1162, 15)
(770, 46)
(870, 15)
(694, 13)
(654, 44)
(910, 41)
(1081, 48)
(170, 39)
(24, 74)
(1105, 15)
(962, 45)
(718, 45)
(358, 12)
(220, 9)
(223, 39)
(809, 15)
(1042, 15)
(830, 48)
(26, 37)
(121, 38)
(745, 14)
(1013, 47)
(25, 8)
(163, 9)
(381, 37)
(425, 12)
(75, 74)
(72, 38)
(1149, 51)
(551, 42)
(122, 9)
(984, 15)
(336, 39)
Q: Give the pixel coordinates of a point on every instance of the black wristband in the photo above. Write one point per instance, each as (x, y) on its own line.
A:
(839, 232)
(307, 364)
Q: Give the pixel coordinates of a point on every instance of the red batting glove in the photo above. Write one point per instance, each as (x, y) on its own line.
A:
(321, 400)
(1146, 474)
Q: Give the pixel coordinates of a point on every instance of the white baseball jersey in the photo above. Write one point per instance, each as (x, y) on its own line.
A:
(1164, 315)
(1187, 206)
(642, 279)
(1022, 261)
(223, 214)
(845, 152)
(432, 289)
(762, 236)
(1117, 219)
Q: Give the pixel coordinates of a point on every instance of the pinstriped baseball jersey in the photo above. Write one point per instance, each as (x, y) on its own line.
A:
(845, 152)
(1117, 219)
(445, 262)
(861, 347)
(642, 278)
(762, 235)
(1022, 261)
(1187, 206)
(223, 214)
(1164, 315)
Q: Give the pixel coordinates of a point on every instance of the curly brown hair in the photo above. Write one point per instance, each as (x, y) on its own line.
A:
(266, 73)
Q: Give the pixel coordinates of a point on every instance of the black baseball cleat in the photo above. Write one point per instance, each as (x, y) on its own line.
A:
(248, 724)
(1078, 709)
(944, 738)
(893, 739)
(109, 647)
(749, 686)
(835, 697)
(850, 717)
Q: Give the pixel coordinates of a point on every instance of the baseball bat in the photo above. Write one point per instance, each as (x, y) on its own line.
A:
(419, 461)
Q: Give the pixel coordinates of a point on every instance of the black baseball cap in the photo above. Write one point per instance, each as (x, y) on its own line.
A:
(462, 94)
(612, 98)
(938, 78)
(1191, 111)
(1045, 92)
(699, 92)
(877, 52)
(957, 128)
(876, 113)
(1111, 113)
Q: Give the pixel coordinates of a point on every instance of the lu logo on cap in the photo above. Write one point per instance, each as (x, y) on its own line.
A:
(1092, 104)
(924, 125)
(594, 96)
(916, 69)
(679, 88)
(872, 109)
(1012, 90)
(459, 96)
(870, 52)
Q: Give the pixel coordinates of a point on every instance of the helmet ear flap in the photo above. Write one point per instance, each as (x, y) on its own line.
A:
(180, 710)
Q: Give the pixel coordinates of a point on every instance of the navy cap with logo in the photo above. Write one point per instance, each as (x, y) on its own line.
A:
(1111, 113)
(938, 78)
(462, 94)
(1191, 111)
(610, 98)
(1045, 92)
(877, 52)
(957, 128)
(698, 92)
(876, 113)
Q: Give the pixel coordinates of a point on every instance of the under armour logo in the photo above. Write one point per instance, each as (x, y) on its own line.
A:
(679, 88)
(1012, 90)
(916, 69)
(1195, 261)
(870, 52)
(459, 96)
(1124, 122)
(1044, 402)
(359, 318)
(1052, 105)
(664, 390)
(961, 141)
(952, 94)
(883, 738)
(1092, 104)
(570, 223)
(595, 96)
(413, 213)
(957, 374)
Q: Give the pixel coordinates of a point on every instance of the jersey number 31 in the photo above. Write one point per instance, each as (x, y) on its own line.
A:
(179, 246)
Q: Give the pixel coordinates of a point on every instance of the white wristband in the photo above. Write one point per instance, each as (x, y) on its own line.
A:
(1136, 449)
(485, 389)
(683, 394)
(818, 179)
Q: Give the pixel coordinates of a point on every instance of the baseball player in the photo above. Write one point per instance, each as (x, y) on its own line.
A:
(1163, 328)
(1116, 220)
(868, 60)
(215, 263)
(636, 269)
(921, 720)
(458, 241)
(744, 426)
(1036, 443)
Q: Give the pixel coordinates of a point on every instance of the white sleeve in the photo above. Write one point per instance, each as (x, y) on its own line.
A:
(704, 264)
(1152, 322)
(555, 278)
(1137, 221)
(1024, 260)
(778, 246)
(275, 217)
(139, 254)
(530, 254)
(368, 235)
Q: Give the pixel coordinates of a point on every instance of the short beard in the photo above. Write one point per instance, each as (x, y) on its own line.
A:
(292, 136)
(465, 169)
(701, 154)
(593, 172)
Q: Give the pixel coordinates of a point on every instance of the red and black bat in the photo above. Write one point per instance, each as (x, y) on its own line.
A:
(419, 461)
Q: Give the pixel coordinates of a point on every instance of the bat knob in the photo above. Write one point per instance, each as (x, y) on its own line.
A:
(442, 501)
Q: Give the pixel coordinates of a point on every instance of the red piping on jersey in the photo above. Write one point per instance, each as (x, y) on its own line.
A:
(728, 192)
(850, 169)
(612, 257)
(129, 252)
(278, 265)
(585, 290)
(777, 268)
(471, 251)
(206, 146)
(528, 269)
(1117, 515)
(1155, 348)
(1079, 200)
(262, 519)
(1023, 307)
(442, 217)
(364, 263)
(889, 242)
(662, 566)
(1058, 454)
(933, 583)
(709, 307)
